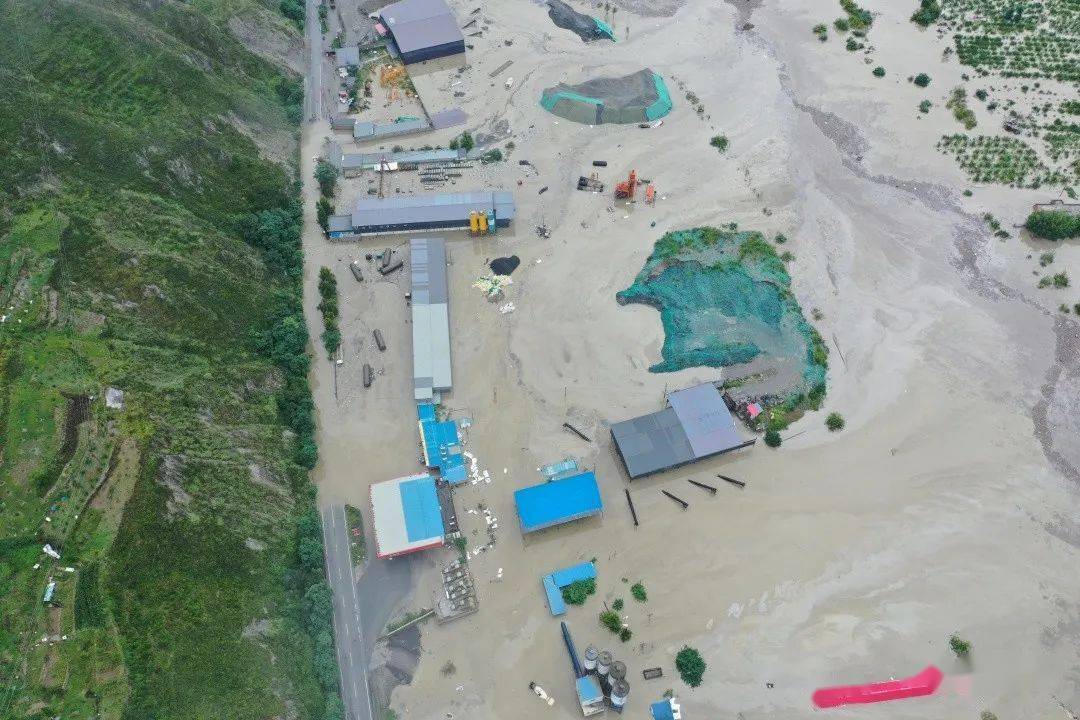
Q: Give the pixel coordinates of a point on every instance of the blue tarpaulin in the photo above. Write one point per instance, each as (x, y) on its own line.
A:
(554, 597)
(561, 501)
(420, 502)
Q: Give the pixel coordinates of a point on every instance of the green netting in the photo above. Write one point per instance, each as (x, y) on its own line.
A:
(663, 105)
(724, 299)
(605, 29)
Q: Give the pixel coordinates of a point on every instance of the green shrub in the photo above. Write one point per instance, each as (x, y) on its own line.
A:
(625, 634)
(852, 45)
(924, 107)
(638, 591)
(611, 620)
(691, 665)
(922, 80)
(980, 95)
(326, 667)
(1053, 224)
(323, 211)
(576, 592)
(720, 142)
(294, 10)
(820, 29)
(927, 14)
(834, 422)
(841, 25)
(879, 71)
(326, 175)
(772, 438)
(334, 709)
(1046, 259)
(617, 605)
(858, 17)
(961, 647)
(491, 156)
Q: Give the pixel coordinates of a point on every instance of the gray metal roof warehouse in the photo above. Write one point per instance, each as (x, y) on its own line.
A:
(696, 426)
(423, 29)
(430, 211)
(430, 317)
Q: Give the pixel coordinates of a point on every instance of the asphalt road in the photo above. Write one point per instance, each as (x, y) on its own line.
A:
(362, 607)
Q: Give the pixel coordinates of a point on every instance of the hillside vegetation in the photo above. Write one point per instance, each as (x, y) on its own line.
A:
(149, 242)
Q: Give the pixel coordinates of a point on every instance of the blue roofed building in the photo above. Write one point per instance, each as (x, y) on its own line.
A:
(556, 581)
(557, 502)
(409, 514)
(441, 444)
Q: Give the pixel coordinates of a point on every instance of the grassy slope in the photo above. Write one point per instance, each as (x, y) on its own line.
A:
(120, 190)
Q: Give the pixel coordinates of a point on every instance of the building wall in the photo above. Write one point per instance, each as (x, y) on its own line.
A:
(430, 53)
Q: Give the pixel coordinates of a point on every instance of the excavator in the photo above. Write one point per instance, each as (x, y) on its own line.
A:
(625, 190)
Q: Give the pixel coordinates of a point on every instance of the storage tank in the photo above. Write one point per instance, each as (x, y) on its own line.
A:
(483, 222)
(354, 267)
(386, 256)
(474, 222)
(603, 662)
(369, 375)
(590, 659)
(620, 691)
(490, 219)
(618, 670)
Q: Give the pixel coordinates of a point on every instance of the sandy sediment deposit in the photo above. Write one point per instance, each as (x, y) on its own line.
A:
(947, 504)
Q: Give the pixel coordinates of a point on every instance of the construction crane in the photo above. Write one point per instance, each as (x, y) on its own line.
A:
(625, 190)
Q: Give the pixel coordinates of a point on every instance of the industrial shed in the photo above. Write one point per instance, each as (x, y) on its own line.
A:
(697, 425)
(423, 29)
(339, 227)
(430, 318)
(408, 515)
(557, 502)
(435, 211)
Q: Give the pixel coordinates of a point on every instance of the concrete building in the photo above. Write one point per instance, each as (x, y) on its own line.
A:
(357, 162)
(430, 318)
(434, 211)
(423, 29)
(346, 56)
(697, 425)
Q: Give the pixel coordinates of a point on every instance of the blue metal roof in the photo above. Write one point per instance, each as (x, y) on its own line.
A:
(423, 519)
(554, 596)
(662, 710)
(588, 690)
(557, 502)
(442, 445)
(566, 576)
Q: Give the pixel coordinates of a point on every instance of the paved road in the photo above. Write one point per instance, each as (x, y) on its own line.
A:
(362, 607)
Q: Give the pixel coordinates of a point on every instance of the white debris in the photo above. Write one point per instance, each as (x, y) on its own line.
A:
(48, 550)
(114, 398)
(507, 308)
(69, 569)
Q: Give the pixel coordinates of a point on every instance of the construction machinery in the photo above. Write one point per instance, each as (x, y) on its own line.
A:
(591, 183)
(625, 190)
(650, 194)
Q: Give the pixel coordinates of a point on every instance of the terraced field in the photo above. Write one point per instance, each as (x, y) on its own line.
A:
(149, 243)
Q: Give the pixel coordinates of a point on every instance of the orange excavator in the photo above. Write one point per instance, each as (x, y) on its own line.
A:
(625, 190)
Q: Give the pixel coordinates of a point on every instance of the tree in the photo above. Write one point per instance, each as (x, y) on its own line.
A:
(720, 142)
(334, 709)
(577, 592)
(323, 211)
(625, 634)
(922, 80)
(319, 607)
(834, 422)
(638, 591)
(326, 175)
(310, 551)
(841, 24)
(325, 661)
(1053, 224)
(772, 438)
(611, 620)
(879, 71)
(691, 665)
(961, 647)
(927, 14)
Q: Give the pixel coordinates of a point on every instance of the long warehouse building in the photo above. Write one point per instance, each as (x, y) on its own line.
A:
(430, 318)
(432, 211)
(698, 425)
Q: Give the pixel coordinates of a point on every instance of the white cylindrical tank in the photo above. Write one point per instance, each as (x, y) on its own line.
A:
(620, 690)
(603, 662)
(618, 670)
(589, 661)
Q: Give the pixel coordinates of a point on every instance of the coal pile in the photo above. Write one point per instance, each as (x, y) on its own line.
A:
(582, 25)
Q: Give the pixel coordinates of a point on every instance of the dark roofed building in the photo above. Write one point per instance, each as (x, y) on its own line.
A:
(696, 426)
(423, 29)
